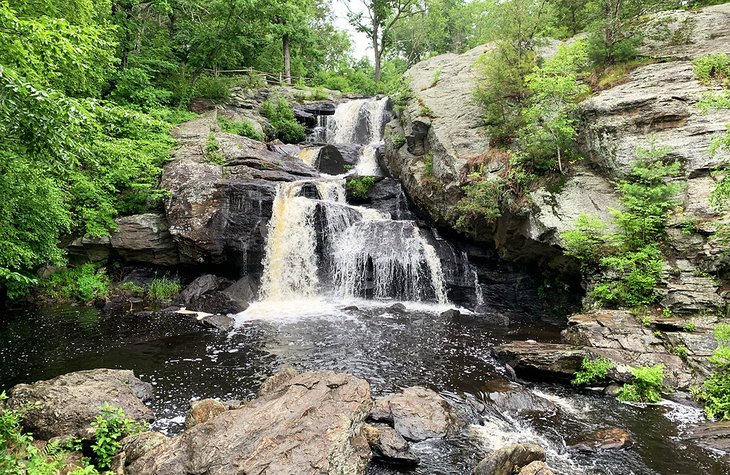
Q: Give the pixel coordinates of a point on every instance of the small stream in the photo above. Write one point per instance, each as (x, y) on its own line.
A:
(390, 350)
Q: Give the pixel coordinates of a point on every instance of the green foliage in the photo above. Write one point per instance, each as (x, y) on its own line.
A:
(713, 69)
(592, 371)
(481, 204)
(163, 288)
(240, 127)
(647, 385)
(690, 327)
(214, 88)
(281, 116)
(131, 287)
(81, 283)
(212, 150)
(111, 426)
(715, 392)
(681, 351)
(428, 165)
(398, 141)
(360, 187)
(629, 263)
(18, 454)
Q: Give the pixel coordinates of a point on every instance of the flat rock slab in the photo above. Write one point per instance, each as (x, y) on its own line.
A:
(309, 425)
(416, 414)
(68, 404)
(542, 359)
(713, 435)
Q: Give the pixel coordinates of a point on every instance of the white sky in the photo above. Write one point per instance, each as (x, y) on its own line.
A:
(360, 43)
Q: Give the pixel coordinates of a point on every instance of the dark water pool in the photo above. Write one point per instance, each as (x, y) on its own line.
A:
(389, 350)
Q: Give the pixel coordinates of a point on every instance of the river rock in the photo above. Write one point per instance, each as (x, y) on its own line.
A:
(510, 459)
(135, 446)
(336, 159)
(542, 360)
(311, 425)
(389, 446)
(536, 468)
(605, 439)
(203, 411)
(223, 323)
(511, 398)
(200, 286)
(712, 435)
(218, 302)
(417, 414)
(68, 404)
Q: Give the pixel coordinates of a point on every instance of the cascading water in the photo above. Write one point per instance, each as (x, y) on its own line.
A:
(319, 245)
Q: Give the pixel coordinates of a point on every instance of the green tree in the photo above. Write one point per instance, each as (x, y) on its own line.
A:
(378, 20)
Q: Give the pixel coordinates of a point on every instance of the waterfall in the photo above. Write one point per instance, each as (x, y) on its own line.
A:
(360, 121)
(318, 245)
(290, 263)
(387, 259)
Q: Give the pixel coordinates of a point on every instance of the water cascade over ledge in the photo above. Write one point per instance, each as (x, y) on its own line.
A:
(319, 245)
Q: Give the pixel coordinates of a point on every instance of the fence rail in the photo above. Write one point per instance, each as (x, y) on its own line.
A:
(268, 78)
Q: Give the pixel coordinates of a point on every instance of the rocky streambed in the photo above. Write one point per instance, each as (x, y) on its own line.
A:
(382, 390)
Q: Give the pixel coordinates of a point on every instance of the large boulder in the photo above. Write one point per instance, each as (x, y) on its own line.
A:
(68, 404)
(309, 424)
(145, 238)
(416, 414)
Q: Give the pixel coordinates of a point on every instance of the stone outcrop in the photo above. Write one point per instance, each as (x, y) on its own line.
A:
(218, 214)
(438, 138)
(68, 404)
(510, 459)
(416, 414)
(203, 411)
(309, 424)
(389, 446)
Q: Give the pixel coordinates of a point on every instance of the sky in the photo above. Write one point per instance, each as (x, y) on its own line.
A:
(359, 40)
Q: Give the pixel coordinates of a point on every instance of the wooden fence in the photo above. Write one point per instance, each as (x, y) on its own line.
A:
(268, 78)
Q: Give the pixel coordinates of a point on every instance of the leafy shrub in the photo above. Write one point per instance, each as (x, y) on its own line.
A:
(134, 86)
(629, 263)
(83, 283)
(646, 387)
(240, 127)
(713, 69)
(398, 141)
(111, 426)
(715, 392)
(163, 288)
(214, 88)
(592, 371)
(481, 203)
(690, 327)
(360, 187)
(281, 116)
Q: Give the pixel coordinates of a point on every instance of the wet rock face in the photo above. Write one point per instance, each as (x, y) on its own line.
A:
(605, 439)
(389, 446)
(69, 403)
(309, 424)
(218, 214)
(510, 459)
(416, 414)
(203, 411)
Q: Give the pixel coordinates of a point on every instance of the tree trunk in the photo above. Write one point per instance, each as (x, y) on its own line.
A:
(377, 53)
(287, 59)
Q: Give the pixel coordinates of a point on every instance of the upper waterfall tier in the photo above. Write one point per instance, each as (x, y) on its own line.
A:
(360, 121)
